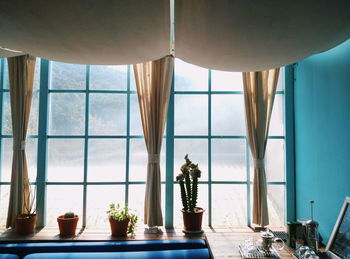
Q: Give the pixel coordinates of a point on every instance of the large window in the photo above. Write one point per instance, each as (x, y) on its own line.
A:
(92, 150)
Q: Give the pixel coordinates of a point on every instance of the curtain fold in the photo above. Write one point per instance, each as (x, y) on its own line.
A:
(259, 94)
(153, 83)
(21, 75)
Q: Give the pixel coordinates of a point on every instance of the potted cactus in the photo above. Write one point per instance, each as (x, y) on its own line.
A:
(67, 224)
(188, 180)
(121, 220)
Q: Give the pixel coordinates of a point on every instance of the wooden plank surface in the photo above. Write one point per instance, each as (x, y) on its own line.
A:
(222, 242)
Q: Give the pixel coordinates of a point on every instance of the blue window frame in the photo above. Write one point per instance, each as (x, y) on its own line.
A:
(88, 143)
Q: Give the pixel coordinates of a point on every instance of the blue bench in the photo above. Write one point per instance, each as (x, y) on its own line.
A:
(163, 254)
(196, 248)
(8, 256)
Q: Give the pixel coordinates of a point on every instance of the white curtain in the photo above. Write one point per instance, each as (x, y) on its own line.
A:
(153, 82)
(21, 75)
(259, 94)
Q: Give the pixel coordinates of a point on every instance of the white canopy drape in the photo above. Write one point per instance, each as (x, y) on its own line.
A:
(255, 35)
(87, 31)
(232, 35)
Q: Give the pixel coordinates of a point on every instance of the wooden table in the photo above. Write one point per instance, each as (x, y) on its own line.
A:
(224, 242)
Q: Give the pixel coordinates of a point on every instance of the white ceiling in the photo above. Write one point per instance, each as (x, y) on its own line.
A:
(235, 35)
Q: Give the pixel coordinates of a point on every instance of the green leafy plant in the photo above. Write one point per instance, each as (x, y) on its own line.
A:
(188, 180)
(118, 213)
(69, 215)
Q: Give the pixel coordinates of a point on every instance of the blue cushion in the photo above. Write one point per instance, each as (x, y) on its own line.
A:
(23, 249)
(8, 256)
(166, 254)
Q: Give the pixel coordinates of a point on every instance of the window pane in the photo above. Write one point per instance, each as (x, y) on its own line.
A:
(132, 79)
(62, 199)
(107, 114)
(31, 153)
(6, 75)
(136, 201)
(275, 203)
(65, 160)
(135, 117)
(228, 160)
(226, 81)
(6, 155)
(6, 115)
(202, 203)
(34, 115)
(36, 83)
(189, 77)
(108, 77)
(67, 114)
(197, 150)
(277, 117)
(274, 160)
(67, 76)
(139, 159)
(191, 114)
(229, 204)
(106, 160)
(4, 203)
(228, 115)
(98, 199)
(281, 81)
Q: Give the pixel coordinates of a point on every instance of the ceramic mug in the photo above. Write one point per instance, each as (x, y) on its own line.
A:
(267, 239)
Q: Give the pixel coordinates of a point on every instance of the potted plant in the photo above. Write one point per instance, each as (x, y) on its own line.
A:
(121, 220)
(25, 222)
(188, 180)
(67, 224)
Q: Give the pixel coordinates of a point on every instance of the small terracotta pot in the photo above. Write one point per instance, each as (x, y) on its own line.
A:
(67, 226)
(119, 228)
(25, 224)
(193, 220)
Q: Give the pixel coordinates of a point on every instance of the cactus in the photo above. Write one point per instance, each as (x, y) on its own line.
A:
(188, 180)
(68, 215)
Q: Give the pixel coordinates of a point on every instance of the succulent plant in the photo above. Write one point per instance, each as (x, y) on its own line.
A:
(188, 180)
(68, 215)
(120, 214)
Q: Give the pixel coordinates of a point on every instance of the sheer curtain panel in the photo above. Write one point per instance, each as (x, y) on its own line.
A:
(153, 82)
(21, 75)
(259, 94)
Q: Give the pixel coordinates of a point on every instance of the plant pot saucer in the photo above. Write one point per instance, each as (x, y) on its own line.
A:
(193, 232)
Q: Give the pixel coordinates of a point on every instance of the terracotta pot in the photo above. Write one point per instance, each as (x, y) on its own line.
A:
(25, 224)
(119, 228)
(67, 226)
(193, 220)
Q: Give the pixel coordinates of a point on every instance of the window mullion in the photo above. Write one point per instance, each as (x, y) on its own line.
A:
(169, 186)
(86, 144)
(2, 70)
(247, 153)
(42, 142)
(127, 166)
(209, 152)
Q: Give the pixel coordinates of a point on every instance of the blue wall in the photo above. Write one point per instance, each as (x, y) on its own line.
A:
(322, 135)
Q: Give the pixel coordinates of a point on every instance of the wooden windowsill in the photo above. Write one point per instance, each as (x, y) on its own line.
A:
(223, 242)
